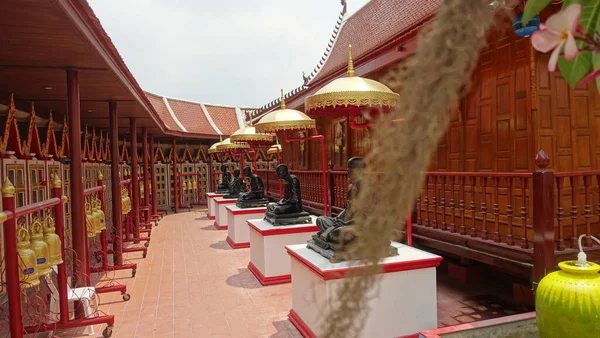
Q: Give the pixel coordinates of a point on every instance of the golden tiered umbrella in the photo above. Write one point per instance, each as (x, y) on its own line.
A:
(250, 136)
(351, 96)
(227, 145)
(286, 120)
(274, 149)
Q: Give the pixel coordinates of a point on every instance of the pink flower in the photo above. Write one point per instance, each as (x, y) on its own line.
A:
(558, 32)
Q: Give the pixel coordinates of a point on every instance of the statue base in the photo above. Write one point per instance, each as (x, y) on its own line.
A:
(393, 313)
(231, 197)
(288, 219)
(222, 190)
(261, 203)
(330, 251)
(212, 206)
(238, 231)
(268, 260)
(221, 217)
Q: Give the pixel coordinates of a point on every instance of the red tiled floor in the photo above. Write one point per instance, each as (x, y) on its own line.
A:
(192, 284)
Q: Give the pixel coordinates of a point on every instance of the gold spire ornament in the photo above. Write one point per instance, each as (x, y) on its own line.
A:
(350, 91)
(53, 242)
(284, 119)
(39, 247)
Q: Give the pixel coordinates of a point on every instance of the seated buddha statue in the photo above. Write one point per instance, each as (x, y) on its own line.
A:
(334, 231)
(225, 179)
(289, 209)
(235, 187)
(256, 196)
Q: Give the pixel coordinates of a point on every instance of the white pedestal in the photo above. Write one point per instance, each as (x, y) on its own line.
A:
(221, 216)
(406, 302)
(238, 233)
(212, 206)
(268, 261)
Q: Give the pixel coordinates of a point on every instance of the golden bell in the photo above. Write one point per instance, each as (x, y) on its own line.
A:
(28, 275)
(37, 244)
(184, 185)
(95, 216)
(101, 221)
(89, 221)
(53, 242)
(195, 184)
(141, 189)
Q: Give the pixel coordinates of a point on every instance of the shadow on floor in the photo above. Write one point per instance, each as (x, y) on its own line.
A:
(209, 228)
(244, 279)
(205, 218)
(285, 329)
(221, 245)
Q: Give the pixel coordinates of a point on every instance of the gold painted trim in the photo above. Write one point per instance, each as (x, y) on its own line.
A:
(351, 98)
(241, 138)
(231, 146)
(275, 126)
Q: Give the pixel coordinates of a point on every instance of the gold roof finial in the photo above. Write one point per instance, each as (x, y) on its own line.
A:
(220, 137)
(56, 183)
(282, 100)
(350, 62)
(8, 189)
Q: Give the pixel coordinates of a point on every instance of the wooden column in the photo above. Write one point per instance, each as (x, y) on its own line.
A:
(135, 182)
(175, 178)
(146, 168)
(115, 183)
(543, 219)
(79, 233)
(153, 177)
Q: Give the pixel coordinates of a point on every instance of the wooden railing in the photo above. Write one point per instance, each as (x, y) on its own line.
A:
(524, 221)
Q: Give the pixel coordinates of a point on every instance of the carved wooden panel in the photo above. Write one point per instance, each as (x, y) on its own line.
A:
(162, 199)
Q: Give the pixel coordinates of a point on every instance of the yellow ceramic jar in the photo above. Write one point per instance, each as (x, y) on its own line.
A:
(568, 302)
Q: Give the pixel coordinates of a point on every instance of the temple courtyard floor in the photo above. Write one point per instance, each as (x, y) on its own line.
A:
(192, 284)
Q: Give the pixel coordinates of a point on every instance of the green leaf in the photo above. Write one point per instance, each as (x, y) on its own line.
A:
(532, 7)
(589, 13)
(596, 65)
(576, 69)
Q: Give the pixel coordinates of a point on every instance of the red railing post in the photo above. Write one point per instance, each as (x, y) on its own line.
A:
(103, 239)
(59, 227)
(11, 259)
(543, 219)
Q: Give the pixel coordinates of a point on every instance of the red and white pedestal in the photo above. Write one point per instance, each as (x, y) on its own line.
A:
(238, 233)
(212, 206)
(221, 216)
(268, 261)
(405, 305)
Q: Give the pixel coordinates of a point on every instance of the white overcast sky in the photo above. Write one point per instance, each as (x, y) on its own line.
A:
(233, 52)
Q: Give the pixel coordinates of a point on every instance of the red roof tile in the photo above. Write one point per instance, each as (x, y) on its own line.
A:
(225, 118)
(163, 113)
(191, 116)
(373, 25)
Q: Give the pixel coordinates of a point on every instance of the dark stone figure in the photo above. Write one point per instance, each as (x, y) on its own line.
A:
(289, 209)
(223, 188)
(331, 229)
(256, 196)
(235, 187)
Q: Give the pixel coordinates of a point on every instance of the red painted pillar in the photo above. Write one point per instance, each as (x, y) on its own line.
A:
(135, 180)
(145, 173)
(153, 177)
(79, 232)
(59, 228)
(11, 261)
(175, 178)
(115, 182)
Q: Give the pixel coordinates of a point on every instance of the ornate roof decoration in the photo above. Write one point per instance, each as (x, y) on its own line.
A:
(33, 143)
(64, 147)
(12, 138)
(158, 154)
(187, 154)
(124, 152)
(101, 151)
(50, 146)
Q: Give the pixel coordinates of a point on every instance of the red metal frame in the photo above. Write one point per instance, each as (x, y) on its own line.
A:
(321, 138)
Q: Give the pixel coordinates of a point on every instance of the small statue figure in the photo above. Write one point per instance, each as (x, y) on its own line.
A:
(289, 209)
(256, 196)
(225, 179)
(333, 231)
(235, 187)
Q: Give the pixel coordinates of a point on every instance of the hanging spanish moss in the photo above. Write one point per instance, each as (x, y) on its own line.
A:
(429, 83)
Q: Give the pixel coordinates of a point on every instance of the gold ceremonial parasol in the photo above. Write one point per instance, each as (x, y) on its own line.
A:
(284, 119)
(213, 148)
(227, 145)
(350, 93)
(248, 135)
(274, 149)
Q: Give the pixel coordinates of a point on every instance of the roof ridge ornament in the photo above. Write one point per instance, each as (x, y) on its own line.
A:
(282, 100)
(350, 62)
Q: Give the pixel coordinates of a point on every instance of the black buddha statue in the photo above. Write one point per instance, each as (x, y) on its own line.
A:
(289, 209)
(331, 229)
(223, 188)
(256, 196)
(235, 187)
